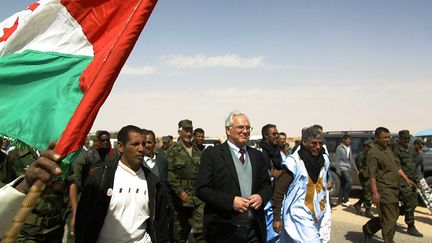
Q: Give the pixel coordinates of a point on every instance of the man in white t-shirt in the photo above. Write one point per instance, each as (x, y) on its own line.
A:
(118, 201)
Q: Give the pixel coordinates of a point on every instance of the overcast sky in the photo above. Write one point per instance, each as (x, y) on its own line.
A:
(347, 65)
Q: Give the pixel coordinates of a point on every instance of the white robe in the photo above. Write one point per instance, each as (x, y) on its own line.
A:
(301, 224)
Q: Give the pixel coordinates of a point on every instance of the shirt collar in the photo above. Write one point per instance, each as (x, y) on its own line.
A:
(146, 158)
(235, 148)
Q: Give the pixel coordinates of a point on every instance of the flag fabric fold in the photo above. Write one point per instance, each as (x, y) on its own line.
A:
(58, 62)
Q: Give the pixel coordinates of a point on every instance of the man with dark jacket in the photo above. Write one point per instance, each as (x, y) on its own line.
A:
(234, 184)
(119, 200)
(270, 149)
(159, 166)
(273, 157)
(98, 155)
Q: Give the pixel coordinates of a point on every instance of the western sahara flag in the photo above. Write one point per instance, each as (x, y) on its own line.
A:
(58, 62)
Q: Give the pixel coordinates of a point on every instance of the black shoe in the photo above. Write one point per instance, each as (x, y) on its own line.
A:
(413, 231)
(368, 213)
(357, 207)
(367, 235)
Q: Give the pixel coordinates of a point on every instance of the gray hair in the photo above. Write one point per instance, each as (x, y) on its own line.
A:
(312, 133)
(229, 119)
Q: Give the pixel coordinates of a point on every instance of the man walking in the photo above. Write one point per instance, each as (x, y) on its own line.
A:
(302, 188)
(273, 156)
(344, 162)
(183, 163)
(234, 183)
(270, 149)
(366, 196)
(408, 194)
(384, 173)
(159, 166)
(119, 200)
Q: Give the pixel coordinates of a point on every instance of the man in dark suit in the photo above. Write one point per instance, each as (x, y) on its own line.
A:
(234, 183)
(158, 164)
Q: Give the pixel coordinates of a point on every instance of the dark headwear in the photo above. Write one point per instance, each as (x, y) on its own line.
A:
(368, 143)
(185, 124)
(404, 134)
(419, 141)
(165, 139)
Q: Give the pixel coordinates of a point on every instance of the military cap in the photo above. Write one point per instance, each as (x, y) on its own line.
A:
(185, 124)
(165, 139)
(404, 134)
(419, 141)
(368, 143)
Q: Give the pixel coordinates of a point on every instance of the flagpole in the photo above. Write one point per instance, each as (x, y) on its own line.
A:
(26, 207)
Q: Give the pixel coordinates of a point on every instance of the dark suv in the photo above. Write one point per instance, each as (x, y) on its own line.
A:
(332, 140)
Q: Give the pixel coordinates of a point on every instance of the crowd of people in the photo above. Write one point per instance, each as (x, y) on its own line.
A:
(184, 192)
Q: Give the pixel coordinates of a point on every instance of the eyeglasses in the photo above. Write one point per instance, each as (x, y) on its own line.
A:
(274, 134)
(243, 127)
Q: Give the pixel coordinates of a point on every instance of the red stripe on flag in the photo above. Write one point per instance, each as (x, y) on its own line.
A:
(113, 27)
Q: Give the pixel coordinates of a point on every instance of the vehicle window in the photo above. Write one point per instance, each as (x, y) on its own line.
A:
(331, 143)
(429, 142)
(356, 145)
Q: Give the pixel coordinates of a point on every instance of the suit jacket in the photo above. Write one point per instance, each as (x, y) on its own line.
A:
(217, 184)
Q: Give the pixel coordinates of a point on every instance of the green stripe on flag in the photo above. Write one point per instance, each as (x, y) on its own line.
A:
(39, 92)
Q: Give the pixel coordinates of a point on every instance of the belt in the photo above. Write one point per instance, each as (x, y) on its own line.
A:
(244, 225)
(187, 182)
(39, 221)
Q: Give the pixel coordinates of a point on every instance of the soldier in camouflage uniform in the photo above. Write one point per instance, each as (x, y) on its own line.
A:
(408, 195)
(366, 196)
(183, 165)
(46, 221)
(165, 146)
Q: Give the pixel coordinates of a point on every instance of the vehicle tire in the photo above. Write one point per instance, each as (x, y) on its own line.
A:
(334, 191)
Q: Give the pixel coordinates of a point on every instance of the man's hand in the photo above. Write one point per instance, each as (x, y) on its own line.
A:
(376, 198)
(275, 173)
(240, 204)
(277, 226)
(411, 184)
(184, 197)
(72, 227)
(329, 185)
(255, 201)
(44, 169)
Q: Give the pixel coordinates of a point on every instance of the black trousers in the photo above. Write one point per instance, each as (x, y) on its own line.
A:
(228, 233)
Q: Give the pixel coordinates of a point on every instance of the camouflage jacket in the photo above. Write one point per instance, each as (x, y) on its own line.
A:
(406, 162)
(49, 212)
(361, 163)
(182, 170)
